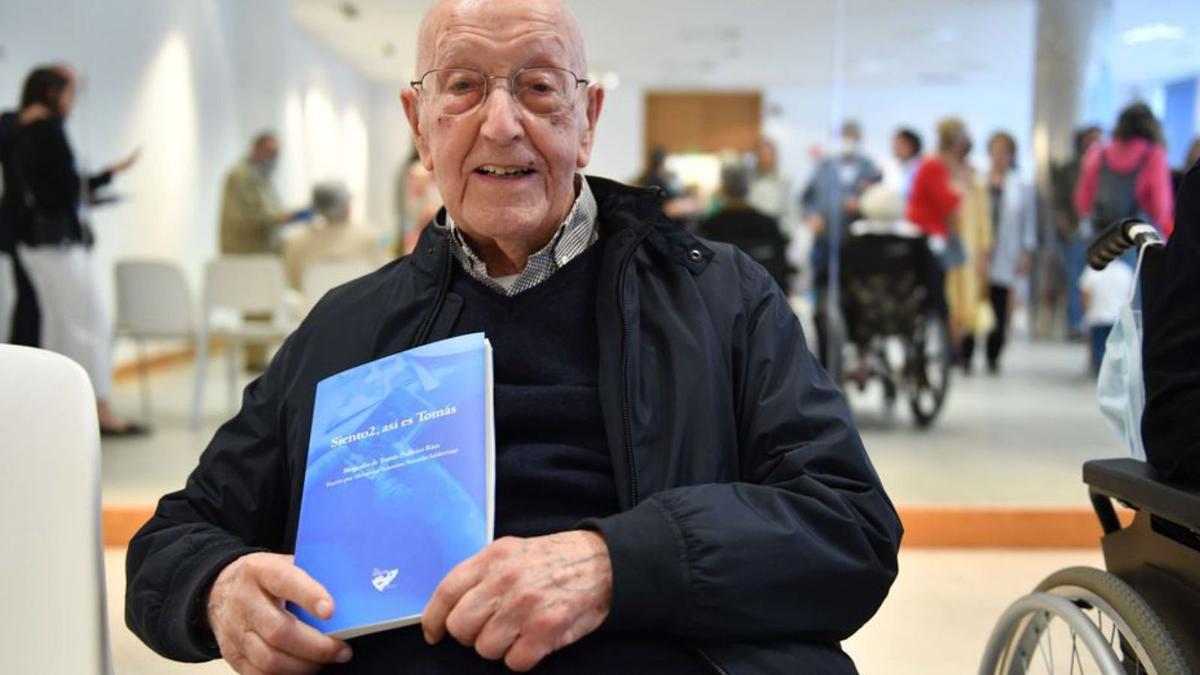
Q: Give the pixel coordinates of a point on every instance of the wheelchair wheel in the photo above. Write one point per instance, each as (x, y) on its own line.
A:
(1099, 623)
(928, 368)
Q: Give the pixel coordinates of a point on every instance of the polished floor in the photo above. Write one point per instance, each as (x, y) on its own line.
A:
(1017, 439)
(935, 622)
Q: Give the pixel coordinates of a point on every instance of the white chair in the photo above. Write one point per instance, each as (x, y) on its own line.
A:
(234, 287)
(52, 618)
(153, 302)
(321, 277)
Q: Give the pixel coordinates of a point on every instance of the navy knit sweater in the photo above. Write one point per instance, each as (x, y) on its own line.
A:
(553, 467)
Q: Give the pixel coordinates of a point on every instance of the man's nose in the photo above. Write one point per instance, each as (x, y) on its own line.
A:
(501, 117)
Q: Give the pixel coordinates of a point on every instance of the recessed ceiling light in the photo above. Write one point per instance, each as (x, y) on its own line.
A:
(1153, 32)
(348, 10)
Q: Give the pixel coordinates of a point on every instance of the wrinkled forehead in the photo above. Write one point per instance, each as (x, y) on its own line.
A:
(515, 33)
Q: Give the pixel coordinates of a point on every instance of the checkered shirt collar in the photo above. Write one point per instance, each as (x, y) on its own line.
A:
(572, 238)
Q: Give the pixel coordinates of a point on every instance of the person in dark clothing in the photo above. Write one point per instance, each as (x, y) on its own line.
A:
(1073, 228)
(1171, 346)
(23, 325)
(54, 241)
(680, 488)
(752, 231)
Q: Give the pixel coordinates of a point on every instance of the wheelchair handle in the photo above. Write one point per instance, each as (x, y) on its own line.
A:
(1119, 237)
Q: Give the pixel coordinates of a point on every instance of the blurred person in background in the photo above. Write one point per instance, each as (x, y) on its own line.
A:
(906, 147)
(771, 190)
(20, 319)
(1014, 223)
(1193, 156)
(1104, 293)
(677, 203)
(330, 236)
(251, 216)
(418, 200)
(831, 197)
(741, 224)
(1073, 228)
(1130, 176)
(949, 203)
(54, 240)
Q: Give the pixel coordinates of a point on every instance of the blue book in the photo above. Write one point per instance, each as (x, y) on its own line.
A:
(399, 483)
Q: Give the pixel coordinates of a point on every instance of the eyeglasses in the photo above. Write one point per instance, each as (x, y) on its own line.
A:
(540, 90)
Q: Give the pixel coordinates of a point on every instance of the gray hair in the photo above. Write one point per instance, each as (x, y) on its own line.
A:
(735, 180)
(330, 199)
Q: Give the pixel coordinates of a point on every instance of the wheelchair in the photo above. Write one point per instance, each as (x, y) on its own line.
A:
(888, 323)
(1142, 614)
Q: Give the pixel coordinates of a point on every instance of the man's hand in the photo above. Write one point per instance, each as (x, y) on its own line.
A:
(125, 164)
(256, 634)
(521, 599)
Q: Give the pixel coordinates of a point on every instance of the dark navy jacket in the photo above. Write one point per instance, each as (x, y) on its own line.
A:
(753, 525)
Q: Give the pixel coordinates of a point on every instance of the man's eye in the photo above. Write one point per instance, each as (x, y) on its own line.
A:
(461, 87)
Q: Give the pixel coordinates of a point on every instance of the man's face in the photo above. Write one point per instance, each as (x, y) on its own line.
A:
(901, 148)
(498, 38)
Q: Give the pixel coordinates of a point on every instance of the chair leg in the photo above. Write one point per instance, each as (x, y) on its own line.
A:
(144, 377)
(231, 360)
(201, 373)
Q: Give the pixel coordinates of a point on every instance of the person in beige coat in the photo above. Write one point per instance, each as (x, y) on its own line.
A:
(966, 285)
(329, 237)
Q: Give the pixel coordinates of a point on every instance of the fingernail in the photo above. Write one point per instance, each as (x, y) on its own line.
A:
(344, 655)
(428, 637)
(324, 609)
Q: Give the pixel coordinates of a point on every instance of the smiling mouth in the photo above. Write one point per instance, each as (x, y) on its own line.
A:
(503, 172)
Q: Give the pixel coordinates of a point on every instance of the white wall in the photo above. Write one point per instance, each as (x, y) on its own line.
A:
(190, 81)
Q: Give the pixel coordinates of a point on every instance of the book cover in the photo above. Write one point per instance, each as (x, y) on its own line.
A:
(399, 482)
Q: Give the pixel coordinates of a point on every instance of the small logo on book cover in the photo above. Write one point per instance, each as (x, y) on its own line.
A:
(382, 579)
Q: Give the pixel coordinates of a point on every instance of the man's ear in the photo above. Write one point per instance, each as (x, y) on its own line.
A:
(595, 102)
(412, 103)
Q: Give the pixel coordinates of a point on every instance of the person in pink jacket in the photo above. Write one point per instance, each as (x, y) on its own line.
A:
(1128, 177)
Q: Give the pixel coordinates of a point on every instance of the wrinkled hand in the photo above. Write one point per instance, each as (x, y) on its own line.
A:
(521, 599)
(256, 633)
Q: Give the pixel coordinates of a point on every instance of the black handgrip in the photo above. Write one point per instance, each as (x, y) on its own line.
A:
(1120, 237)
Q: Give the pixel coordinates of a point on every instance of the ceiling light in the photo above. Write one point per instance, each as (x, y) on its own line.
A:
(1153, 32)
(348, 10)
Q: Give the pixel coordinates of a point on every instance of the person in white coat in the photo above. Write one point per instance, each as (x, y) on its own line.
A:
(1014, 217)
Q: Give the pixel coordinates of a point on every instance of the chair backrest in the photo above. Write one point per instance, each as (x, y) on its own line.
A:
(245, 283)
(52, 619)
(153, 299)
(322, 277)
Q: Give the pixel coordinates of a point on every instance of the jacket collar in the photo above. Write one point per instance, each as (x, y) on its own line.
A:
(630, 214)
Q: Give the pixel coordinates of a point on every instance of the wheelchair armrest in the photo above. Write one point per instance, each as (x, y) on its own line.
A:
(1137, 484)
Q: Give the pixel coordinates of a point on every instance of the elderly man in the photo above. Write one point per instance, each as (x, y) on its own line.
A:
(680, 488)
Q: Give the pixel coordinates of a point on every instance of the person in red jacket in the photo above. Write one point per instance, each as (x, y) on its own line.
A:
(933, 198)
(1130, 177)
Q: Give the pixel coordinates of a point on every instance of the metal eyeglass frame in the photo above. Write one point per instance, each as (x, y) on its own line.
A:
(511, 78)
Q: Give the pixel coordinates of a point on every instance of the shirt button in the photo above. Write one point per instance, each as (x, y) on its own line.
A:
(695, 255)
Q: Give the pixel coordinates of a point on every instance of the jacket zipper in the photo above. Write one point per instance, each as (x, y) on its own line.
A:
(443, 287)
(626, 412)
